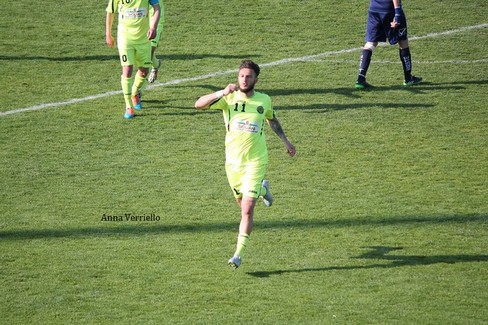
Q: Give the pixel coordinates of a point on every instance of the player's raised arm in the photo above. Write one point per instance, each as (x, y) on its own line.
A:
(206, 100)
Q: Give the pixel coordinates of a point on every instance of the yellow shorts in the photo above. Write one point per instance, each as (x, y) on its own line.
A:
(138, 55)
(246, 180)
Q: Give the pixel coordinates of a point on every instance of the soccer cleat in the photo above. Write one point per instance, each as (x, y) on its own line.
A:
(234, 262)
(267, 198)
(413, 81)
(362, 85)
(129, 112)
(136, 101)
(154, 73)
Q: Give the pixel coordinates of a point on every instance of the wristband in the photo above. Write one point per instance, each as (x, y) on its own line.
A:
(398, 11)
(219, 94)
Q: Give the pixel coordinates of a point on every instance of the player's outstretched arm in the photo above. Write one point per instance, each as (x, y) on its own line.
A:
(206, 100)
(275, 125)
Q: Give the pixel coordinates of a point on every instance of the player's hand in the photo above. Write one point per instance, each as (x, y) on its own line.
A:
(151, 33)
(396, 20)
(291, 149)
(110, 40)
(230, 89)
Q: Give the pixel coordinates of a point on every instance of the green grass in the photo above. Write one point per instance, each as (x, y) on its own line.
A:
(381, 218)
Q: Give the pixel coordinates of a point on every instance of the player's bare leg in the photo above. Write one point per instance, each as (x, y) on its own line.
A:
(247, 205)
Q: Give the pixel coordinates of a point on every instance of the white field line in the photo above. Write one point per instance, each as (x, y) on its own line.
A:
(398, 62)
(226, 72)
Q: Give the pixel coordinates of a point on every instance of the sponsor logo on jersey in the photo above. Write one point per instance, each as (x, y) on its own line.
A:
(246, 126)
(134, 13)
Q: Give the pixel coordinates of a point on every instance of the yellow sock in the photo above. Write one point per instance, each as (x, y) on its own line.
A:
(242, 241)
(126, 89)
(138, 84)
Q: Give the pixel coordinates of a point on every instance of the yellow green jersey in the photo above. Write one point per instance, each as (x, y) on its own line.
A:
(133, 23)
(245, 118)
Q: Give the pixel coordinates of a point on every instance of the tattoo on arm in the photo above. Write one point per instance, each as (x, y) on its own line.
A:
(276, 127)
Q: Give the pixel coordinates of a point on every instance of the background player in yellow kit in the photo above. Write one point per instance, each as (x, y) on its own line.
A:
(134, 32)
(156, 63)
(246, 112)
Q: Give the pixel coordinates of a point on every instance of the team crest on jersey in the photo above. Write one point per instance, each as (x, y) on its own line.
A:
(260, 109)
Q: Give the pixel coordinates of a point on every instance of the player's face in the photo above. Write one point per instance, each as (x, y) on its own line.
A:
(247, 79)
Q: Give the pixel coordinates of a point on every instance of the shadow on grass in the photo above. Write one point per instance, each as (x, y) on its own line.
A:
(159, 106)
(340, 107)
(351, 92)
(159, 109)
(316, 108)
(355, 93)
(141, 228)
(382, 253)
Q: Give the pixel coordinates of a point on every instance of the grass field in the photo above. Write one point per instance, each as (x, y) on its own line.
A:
(381, 218)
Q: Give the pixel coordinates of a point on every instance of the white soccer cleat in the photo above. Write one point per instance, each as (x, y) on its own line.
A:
(154, 73)
(268, 198)
(234, 262)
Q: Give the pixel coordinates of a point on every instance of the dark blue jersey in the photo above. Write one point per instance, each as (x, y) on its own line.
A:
(381, 6)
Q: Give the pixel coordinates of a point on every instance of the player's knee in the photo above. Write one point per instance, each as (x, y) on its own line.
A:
(403, 44)
(143, 72)
(370, 46)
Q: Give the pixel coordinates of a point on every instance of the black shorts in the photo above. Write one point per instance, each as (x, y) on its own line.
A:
(378, 28)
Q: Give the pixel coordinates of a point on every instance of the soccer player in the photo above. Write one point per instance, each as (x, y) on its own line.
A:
(134, 32)
(246, 112)
(156, 63)
(386, 19)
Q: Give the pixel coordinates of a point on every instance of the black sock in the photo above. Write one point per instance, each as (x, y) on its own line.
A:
(364, 64)
(406, 63)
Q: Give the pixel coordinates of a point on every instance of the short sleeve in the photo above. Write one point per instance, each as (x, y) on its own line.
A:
(270, 112)
(219, 104)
